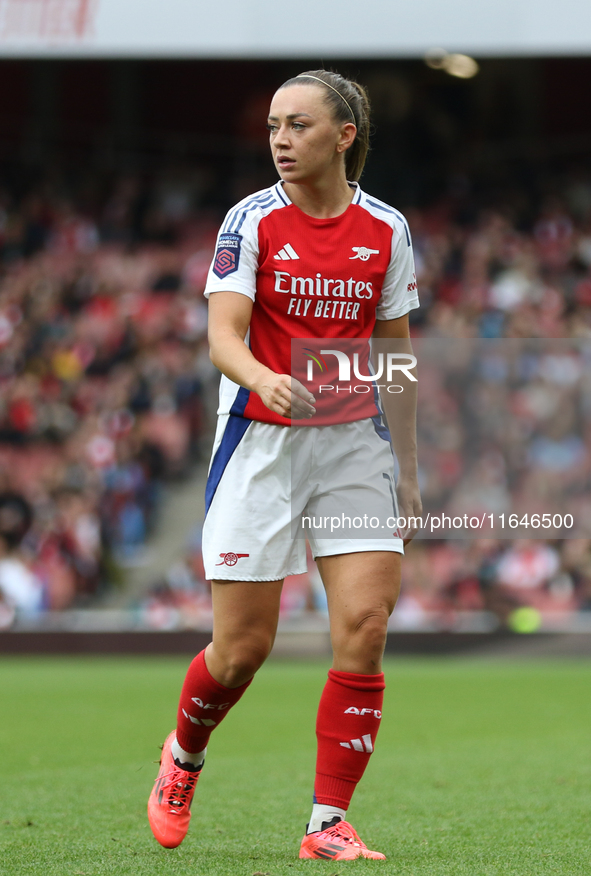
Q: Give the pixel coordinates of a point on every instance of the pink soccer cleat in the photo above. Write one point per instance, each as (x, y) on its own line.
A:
(337, 843)
(170, 801)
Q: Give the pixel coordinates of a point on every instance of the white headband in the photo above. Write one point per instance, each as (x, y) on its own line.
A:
(328, 85)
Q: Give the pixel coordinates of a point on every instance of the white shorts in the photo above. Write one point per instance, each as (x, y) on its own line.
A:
(271, 486)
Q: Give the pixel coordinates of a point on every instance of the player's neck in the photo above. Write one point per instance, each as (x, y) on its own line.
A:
(323, 199)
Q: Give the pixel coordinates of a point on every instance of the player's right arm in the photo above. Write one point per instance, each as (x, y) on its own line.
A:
(229, 319)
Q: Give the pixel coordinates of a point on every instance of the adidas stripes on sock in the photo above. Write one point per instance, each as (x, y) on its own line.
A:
(203, 705)
(346, 728)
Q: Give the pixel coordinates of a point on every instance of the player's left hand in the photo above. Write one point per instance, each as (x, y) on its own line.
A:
(409, 502)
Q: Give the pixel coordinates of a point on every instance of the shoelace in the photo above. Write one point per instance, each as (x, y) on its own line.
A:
(179, 787)
(343, 831)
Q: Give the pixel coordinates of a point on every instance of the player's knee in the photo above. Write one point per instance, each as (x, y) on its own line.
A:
(243, 658)
(371, 629)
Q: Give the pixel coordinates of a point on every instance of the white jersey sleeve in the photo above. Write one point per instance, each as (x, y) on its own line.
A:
(235, 263)
(399, 292)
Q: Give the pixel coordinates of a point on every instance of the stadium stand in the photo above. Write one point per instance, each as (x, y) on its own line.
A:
(106, 389)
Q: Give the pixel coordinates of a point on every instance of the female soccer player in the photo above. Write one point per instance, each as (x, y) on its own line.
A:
(311, 257)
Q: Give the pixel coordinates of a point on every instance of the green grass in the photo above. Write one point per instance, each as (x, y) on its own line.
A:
(481, 768)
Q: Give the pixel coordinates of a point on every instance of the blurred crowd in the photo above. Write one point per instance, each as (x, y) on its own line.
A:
(104, 380)
(500, 272)
(106, 392)
(505, 427)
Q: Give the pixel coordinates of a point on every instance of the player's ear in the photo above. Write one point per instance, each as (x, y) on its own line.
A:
(347, 136)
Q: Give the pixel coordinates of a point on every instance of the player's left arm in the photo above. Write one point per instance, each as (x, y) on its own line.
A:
(401, 413)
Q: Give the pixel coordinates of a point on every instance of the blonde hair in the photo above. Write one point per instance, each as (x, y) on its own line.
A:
(349, 103)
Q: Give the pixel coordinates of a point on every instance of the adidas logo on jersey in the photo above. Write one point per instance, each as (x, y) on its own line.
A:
(363, 744)
(287, 253)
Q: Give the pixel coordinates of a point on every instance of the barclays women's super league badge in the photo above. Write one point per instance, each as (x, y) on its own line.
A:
(227, 257)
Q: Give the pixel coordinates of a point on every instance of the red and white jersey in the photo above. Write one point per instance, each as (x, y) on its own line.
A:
(310, 278)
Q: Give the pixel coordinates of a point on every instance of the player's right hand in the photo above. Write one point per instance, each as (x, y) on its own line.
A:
(286, 396)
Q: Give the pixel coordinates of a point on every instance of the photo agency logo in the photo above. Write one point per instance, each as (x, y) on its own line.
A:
(388, 367)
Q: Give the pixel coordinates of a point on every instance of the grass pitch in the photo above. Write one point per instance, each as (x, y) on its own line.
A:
(481, 768)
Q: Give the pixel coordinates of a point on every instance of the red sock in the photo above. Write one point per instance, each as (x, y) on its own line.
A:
(346, 728)
(203, 705)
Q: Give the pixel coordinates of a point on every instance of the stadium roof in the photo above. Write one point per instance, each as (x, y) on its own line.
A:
(306, 28)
